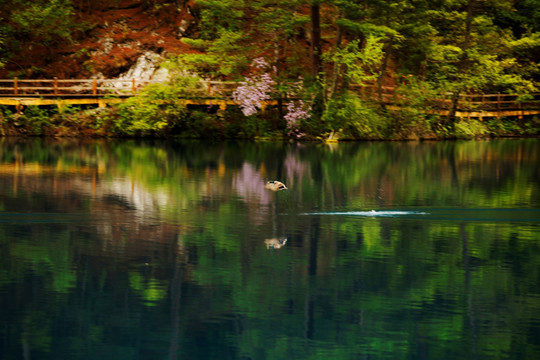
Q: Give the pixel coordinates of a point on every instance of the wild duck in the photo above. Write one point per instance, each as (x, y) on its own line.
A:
(275, 185)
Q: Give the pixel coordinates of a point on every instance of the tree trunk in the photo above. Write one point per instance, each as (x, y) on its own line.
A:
(337, 68)
(384, 65)
(277, 56)
(315, 8)
(463, 62)
(316, 37)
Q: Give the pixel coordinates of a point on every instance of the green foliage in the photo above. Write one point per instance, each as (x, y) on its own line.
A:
(278, 20)
(199, 124)
(477, 57)
(34, 120)
(235, 125)
(354, 118)
(37, 23)
(361, 64)
(219, 15)
(155, 111)
(139, 117)
(367, 28)
(440, 47)
(45, 20)
(158, 111)
(221, 38)
(470, 128)
(512, 126)
(224, 56)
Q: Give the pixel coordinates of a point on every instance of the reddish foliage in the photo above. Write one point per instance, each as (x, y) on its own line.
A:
(119, 33)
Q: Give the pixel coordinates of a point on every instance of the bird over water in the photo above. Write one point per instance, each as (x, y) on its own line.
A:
(275, 185)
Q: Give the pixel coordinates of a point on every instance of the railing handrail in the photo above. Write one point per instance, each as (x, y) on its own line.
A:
(213, 88)
(101, 87)
(217, 82)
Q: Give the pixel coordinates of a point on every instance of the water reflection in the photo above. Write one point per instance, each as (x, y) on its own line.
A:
(128, 249)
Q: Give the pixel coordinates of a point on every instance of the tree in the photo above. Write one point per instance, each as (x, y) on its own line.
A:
(463, 62)
(222, 50)
(316, 50)
(470, 53)
(40, 24)
(281, 22)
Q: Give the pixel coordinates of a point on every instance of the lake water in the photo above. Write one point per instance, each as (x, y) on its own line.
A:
(163, 250)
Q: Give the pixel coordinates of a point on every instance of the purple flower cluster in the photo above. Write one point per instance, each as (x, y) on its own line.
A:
(296, 110)
(254, 90)
(259, 63)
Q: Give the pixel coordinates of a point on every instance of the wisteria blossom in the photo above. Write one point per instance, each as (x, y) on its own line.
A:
(255, 89)
(296, 111)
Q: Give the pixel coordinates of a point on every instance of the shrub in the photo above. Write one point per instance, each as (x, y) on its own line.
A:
(34, 121)
(411, 123)
(198, 124)
(354, 118)
(470, 128)
(155, 110)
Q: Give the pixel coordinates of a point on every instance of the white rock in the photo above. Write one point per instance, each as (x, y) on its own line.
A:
(146, 68)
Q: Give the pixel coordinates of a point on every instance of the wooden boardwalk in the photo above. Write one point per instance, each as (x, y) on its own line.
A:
(102, 92)
(469, 105)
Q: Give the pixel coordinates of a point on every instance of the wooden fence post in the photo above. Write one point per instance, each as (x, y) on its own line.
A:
(94, 86)
(15, 86)
(498, 105)
(56, 88)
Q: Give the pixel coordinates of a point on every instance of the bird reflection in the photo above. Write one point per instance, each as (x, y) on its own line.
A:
(275, 243)
(275, 185)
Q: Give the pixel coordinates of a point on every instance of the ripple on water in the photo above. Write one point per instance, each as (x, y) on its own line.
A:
(458, 214)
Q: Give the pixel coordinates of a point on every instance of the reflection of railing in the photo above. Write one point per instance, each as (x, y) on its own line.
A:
(20, 168)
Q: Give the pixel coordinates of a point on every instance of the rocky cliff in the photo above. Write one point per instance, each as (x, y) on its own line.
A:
(122, 38)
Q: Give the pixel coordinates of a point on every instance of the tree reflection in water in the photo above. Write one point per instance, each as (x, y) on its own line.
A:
(132, 249)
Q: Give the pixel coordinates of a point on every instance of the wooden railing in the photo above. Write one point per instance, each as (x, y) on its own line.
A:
(100, 88)
(23, 92)
(496, 102)
(467, 102)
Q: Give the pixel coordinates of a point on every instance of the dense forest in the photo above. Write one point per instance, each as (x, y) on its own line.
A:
(334, 58)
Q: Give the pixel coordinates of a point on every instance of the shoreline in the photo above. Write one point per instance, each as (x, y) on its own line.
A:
(173, 122)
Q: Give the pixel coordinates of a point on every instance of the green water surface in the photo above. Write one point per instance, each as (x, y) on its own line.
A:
(175, 250)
